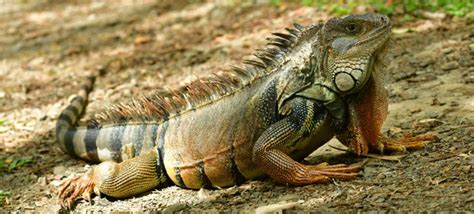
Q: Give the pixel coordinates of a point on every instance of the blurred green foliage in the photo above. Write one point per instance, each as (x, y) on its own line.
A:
(342, 7)
(9, 165)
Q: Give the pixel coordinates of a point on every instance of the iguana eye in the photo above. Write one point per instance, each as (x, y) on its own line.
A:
(352, 28)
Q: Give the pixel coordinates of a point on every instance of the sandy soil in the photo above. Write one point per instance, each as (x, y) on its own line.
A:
(46, 48)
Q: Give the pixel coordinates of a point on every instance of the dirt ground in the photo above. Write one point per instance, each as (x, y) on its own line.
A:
(47, 47)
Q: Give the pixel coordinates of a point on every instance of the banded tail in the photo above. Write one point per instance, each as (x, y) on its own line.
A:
(101, 142)
(65, 126)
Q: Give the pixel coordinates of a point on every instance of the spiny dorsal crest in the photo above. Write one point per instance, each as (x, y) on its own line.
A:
(161, 106)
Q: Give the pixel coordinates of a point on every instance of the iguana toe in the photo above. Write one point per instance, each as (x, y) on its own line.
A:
(79, 187)
(340, 171)
(405, 143)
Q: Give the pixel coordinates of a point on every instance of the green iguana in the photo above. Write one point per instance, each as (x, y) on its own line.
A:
(308, 85)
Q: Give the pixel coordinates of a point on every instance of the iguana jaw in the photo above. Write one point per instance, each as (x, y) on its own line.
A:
(351, 46)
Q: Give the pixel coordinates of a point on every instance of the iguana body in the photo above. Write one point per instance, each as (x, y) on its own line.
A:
(244, 124)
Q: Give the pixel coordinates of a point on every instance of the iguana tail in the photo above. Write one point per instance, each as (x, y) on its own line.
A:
(97, 142)
(65, 126)
(119, 180)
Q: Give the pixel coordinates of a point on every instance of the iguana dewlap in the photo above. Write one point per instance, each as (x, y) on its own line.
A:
(309, 85)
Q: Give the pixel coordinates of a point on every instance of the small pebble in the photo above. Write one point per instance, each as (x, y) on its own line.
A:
(427, 123)
(42, 181)
(427, 62)
(436, 102)
(450, 66)
(447, 50)
(59, 170)
(469, 79)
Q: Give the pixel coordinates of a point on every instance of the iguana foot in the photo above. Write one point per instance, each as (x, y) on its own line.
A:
(339, 171)
(403, 144)
(76, 188)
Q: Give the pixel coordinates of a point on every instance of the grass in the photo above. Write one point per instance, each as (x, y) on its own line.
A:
(343, 7)
(10, 165)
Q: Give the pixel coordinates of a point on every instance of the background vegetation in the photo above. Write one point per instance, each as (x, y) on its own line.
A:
(391, 7)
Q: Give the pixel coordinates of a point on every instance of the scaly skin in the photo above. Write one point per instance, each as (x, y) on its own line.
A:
(320, 81)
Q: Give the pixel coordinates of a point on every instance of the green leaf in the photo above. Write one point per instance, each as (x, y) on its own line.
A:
(12, 165)
(24, 162)
(307, 2)
(276, 2)
(17, 163)
(3, 193)
(340, 10)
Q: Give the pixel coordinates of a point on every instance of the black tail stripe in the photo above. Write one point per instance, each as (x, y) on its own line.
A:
(206, 183)
(69, 141)
(66, 118)
(91, 144)
(73, 109)
(78, 99)
(116, 142)
(138, 138)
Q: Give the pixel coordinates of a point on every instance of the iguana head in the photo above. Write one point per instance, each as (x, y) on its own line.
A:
(350, 47)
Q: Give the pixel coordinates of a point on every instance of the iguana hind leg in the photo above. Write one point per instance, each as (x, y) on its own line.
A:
(119, 180)
(271, 149)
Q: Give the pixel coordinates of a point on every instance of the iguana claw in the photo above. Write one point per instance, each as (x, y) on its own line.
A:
(339, 171)
(403, 144)
(76, 188)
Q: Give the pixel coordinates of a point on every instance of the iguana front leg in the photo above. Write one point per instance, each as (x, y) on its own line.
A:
(271, 149)
(367, 112)
(119, 180)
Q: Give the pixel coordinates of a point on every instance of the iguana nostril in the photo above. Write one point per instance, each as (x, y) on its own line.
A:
(344, 82)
